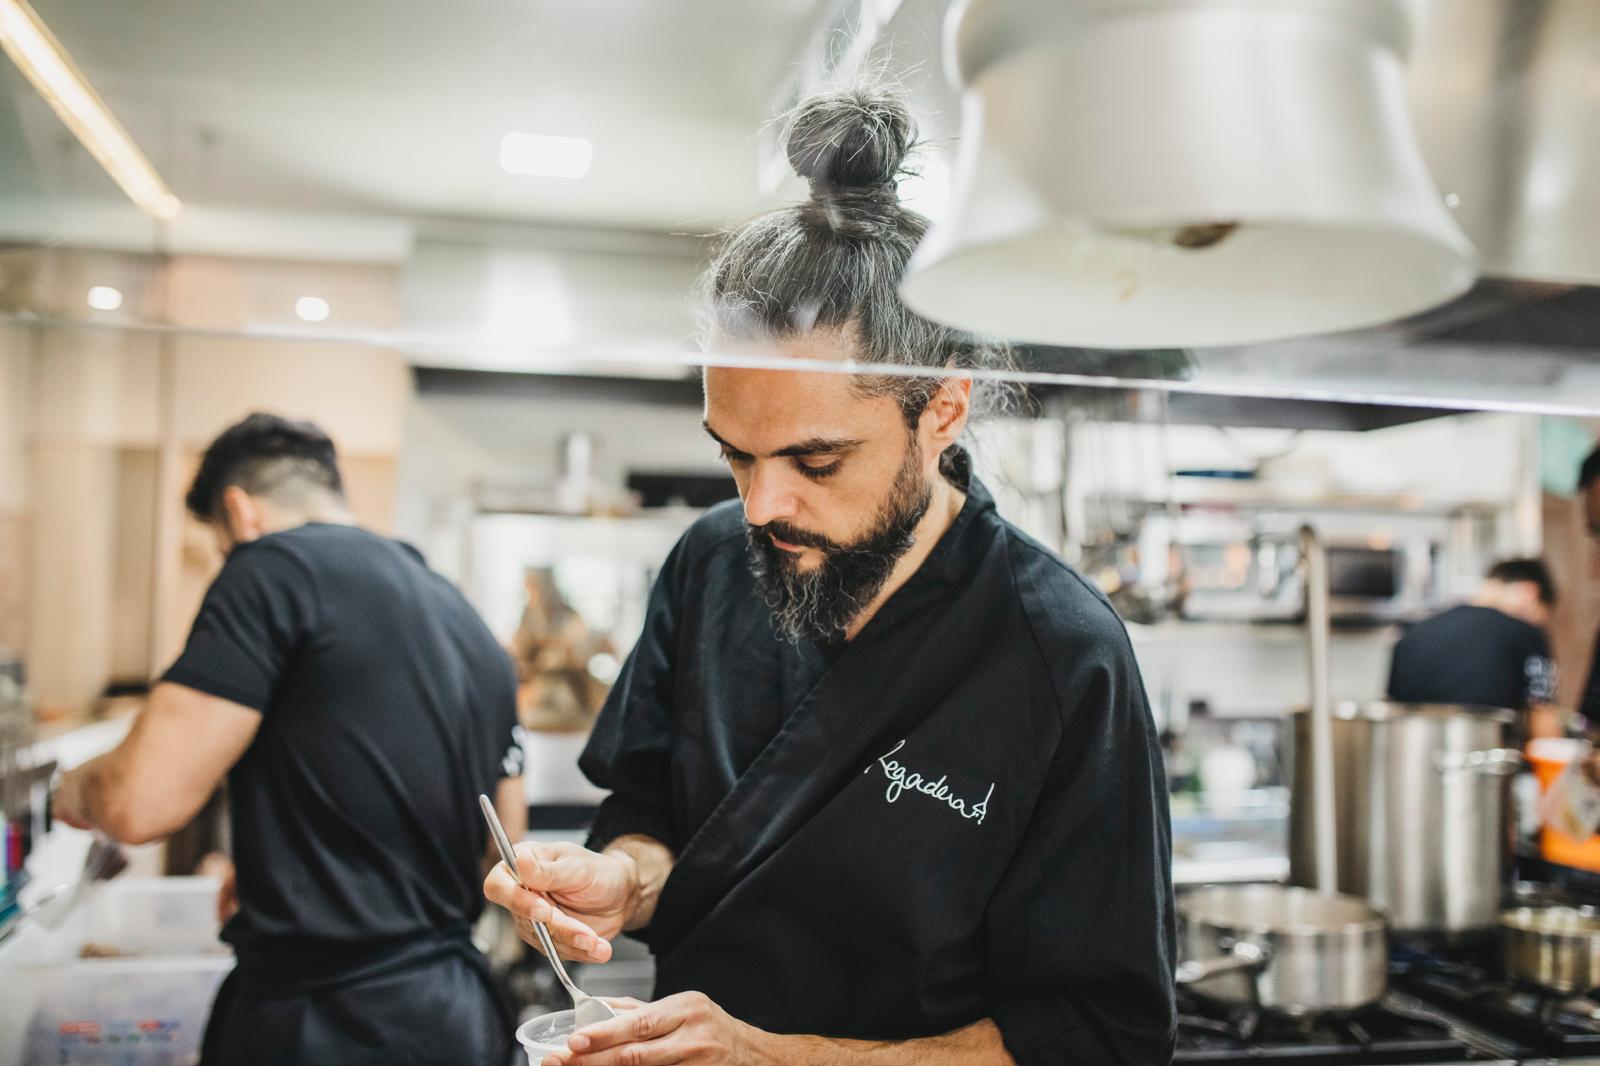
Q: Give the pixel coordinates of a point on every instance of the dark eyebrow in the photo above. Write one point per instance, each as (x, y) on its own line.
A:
(817, 446)
(814, 446)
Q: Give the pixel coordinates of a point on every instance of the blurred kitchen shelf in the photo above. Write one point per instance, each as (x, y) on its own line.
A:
(1177, 629)
(1238, 869)
(1236, 838)
(1250, 494)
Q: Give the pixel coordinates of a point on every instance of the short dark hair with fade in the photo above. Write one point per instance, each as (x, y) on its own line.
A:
(1532, 571)
(1590, 470)
(266, 455)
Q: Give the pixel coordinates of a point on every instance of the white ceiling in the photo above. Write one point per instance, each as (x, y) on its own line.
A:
(395, 108)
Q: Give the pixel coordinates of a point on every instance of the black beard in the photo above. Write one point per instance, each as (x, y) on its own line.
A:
(820, 604)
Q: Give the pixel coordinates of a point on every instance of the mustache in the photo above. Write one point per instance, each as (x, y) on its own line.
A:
(794, 535)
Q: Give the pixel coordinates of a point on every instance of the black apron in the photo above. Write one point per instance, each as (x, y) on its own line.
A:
(427, 1002)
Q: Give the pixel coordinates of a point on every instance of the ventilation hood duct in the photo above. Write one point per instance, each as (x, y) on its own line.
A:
(1143, 173)
(1506, 99)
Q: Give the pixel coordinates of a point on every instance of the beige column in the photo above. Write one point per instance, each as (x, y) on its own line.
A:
(17, 388)
(92, 388)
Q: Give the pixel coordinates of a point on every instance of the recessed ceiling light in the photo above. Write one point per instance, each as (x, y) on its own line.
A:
(1452, 200)
(312, 308)
(105, 298)
(544, 156)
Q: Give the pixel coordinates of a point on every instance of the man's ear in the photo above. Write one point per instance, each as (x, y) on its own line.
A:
(945, 417)
(241, 515)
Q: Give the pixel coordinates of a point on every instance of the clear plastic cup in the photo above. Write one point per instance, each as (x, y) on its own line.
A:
(548, 1032)
(545, 1035)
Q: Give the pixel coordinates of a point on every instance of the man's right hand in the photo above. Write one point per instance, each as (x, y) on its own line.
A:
(583, 897)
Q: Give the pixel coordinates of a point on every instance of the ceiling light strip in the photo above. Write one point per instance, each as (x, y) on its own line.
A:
(42, 60)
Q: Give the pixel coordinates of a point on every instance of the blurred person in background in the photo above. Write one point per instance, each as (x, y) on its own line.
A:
(552, 648)
(356, 706)
(1493, 651)
(884, 784)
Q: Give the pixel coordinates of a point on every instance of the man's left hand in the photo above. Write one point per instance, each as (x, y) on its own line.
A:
(686, 1028)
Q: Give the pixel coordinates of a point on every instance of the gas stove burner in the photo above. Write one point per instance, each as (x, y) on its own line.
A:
(1471, 986)
(1400, 1029)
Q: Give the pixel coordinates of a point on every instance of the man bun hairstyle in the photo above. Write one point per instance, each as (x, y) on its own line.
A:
(267, 456)
(835, 260)
(851, 148)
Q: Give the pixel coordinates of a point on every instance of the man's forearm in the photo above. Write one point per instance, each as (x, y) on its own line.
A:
(978, 1044)
(650, 862)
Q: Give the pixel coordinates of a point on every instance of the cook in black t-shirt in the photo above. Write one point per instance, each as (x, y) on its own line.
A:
(1492, 652)
(358, 707)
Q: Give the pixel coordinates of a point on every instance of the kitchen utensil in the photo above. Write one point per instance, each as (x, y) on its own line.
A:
(49, 909)
(1288, 950)
(1557, 948)
(587, 1010)
(51, 902)
(1423, 800)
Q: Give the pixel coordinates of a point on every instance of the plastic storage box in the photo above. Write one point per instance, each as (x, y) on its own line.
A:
(147, 1007)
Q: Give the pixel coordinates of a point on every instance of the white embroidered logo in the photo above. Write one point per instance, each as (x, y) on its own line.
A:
(902, 780)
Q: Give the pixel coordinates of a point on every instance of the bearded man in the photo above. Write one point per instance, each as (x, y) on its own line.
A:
(884, 786)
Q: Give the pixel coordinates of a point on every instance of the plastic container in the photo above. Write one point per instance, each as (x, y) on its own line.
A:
(121, 1012)
(545, 1035)
(1549, 756)
(146, 1008)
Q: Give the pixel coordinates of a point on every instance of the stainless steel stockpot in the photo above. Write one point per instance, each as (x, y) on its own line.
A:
(1422, 807)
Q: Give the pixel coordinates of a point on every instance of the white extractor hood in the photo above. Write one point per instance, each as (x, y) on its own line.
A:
(1142, 173)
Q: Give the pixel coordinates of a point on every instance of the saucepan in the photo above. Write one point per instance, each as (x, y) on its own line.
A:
(1291, 951)
(1557, 948)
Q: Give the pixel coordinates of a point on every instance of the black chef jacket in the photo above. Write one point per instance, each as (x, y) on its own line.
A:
(386, 707)
(960, 814)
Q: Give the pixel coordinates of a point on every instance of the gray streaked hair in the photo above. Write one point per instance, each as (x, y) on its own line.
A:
(835, 260)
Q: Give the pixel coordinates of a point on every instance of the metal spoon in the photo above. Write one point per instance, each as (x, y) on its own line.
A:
(586, 1010)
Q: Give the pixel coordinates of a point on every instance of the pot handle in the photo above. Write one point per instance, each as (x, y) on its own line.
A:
(1241, 956)
(1492, 762)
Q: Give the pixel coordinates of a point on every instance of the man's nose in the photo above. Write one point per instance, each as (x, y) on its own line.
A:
(769, 496)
